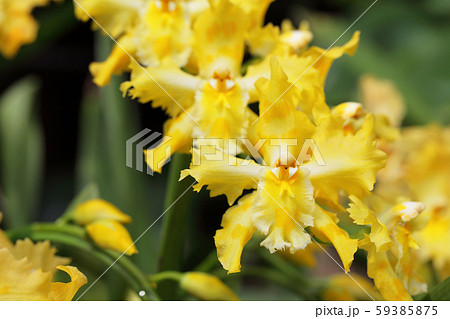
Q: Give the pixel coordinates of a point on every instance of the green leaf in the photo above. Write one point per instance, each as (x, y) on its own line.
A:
(441, 292)
(107, 121)
(21, 152)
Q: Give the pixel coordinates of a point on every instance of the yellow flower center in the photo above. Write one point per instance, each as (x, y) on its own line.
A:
(409, 210)
(221, 80)
(297, 39)
(285, 167)
(166, 5)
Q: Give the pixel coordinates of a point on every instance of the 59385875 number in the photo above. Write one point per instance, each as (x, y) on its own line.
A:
(406, 310)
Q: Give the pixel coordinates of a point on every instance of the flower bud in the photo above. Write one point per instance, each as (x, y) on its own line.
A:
(206, 287)
(97, 209)
(111, 234)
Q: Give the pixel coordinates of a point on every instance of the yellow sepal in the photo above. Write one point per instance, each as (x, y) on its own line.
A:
(236, 232)
(344, 245)
(224, 174)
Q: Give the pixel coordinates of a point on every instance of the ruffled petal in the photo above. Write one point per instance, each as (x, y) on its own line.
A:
(346, 247)
(285, 128)
(326, 57)
(177, 138)
(167, 86)
(19, 281)
(237, 229)
(255, 10)
(219, 38)
(351, 162)
(164, 32)
(110, 234)
(65, 291)
(224, 174)
(116, 17)
(307, 80)
(283, 209)
(262, 41)
(41, 255)
(362, 215)
(117, 62)
(98, 209)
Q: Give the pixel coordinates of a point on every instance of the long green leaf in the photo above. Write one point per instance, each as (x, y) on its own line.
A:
(21, 152)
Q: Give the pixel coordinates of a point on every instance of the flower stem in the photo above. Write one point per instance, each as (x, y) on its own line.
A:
(174, 225)
(166, 275)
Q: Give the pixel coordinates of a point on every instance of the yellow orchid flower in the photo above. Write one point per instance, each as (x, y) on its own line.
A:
(354, 114)
(271, 39)
(213, 103)
(17, 25)
(289, 183)
(147, 30)
(380, 98)
(215, 98)
(27, 270)
(206, 287)
(20, 281)
(103, 223)
(306, 71)
(418, 169)
(391, 248)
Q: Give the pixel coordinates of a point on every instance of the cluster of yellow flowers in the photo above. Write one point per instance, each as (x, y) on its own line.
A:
(187, 57)
(313, 163)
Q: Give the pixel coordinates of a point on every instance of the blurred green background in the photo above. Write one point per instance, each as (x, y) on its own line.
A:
(61, 133)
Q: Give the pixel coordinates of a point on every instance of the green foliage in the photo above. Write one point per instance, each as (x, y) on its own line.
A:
(440, 292)
(21, 152)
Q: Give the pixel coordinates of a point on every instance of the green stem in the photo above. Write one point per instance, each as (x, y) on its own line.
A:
(209, 263)
(275, 276)
(174, 225)
(73, 236)
(284, 267)
(166, 275)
